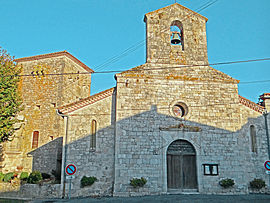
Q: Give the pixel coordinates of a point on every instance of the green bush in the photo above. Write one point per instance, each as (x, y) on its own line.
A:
(1, 176)
(226, 183)
(45, 176)
(8, 177)
(138, 182)
(24, 176)
(34, 177)
(87, 181)
(257, 184)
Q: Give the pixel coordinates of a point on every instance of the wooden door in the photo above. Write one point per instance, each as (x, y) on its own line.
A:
(181, 166)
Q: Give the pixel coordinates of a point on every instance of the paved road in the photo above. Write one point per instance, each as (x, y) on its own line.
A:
(172, 199)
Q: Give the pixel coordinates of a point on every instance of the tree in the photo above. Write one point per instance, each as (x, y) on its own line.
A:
(10, 100)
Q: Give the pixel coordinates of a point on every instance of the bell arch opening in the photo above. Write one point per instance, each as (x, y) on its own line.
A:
(181, 166)
(177, 34)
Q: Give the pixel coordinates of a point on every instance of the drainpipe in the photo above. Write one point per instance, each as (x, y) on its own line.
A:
(64, 153)
(267, 132)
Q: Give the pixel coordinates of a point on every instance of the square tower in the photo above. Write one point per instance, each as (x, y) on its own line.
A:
(176, 35)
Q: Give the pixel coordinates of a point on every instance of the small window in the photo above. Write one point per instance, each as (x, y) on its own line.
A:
(179, 109)
(253, 138)
(93, 135)
(210, 169)
(35, 139)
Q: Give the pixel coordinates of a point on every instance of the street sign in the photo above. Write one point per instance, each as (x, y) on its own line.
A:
(71, 169)
(267, 165)
(267, 172)
(72, 177)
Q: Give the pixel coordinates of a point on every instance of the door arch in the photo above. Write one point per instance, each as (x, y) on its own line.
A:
(181, 166)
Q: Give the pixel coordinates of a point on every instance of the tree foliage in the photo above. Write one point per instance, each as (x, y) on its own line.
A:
(10, 100)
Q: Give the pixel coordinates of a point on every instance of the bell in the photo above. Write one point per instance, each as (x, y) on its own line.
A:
(175, 38)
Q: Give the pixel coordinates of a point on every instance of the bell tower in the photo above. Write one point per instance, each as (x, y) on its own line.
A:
(176, 35)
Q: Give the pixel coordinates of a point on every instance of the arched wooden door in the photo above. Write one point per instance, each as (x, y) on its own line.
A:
(181, 166)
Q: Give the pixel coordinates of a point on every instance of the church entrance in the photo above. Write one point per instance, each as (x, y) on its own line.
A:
(181, 166)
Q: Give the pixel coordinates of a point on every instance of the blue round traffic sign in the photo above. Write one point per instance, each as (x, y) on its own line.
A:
(267, 165)
(71, 169)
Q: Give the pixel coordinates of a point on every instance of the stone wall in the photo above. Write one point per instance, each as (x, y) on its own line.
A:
(30, 191)
(100, 161)
(159, 48)
(144, 108)
(42, 95)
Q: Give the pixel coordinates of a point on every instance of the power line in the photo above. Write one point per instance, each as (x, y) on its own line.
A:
(138, 70)
(141, 43)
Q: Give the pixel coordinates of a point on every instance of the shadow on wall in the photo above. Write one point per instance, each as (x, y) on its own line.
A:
(48, 157)
(138, 150)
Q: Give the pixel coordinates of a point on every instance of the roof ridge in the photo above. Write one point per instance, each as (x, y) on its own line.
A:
(86, 101)
(178, 5)
(55, 54)
(246, 102)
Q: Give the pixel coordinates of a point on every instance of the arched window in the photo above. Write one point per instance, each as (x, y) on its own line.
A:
(35, 139)
(253, 138)
(93, 135)
(177, 34)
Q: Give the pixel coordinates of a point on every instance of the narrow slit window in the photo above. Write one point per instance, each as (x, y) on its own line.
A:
(253, 138)
(35, 139)
(93, 135)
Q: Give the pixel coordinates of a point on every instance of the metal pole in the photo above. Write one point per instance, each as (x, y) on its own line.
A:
(69, 189)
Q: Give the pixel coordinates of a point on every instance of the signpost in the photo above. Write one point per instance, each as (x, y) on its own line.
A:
(70, 171)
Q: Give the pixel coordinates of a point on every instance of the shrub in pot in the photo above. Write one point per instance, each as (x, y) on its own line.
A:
(138, 182)
(87, 181)
(8, 177)
(24, 176)
(34, 177)
(1, 176)
(257, 184)
(226, 183)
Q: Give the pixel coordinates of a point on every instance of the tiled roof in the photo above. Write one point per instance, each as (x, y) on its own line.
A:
(265, 96)
(85, 102)
(176, 4)
(56, 54)
(251, 104)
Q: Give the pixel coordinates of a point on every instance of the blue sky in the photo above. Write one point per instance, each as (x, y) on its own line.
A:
(97, 30)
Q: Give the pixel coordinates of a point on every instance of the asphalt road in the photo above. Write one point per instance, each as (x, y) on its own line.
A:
(260, 198)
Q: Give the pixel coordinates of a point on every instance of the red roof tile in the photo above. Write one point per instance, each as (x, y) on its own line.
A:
(250, 104)
(86, 101)
(56, 54)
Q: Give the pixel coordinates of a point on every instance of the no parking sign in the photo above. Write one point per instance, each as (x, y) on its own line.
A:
(267, 165)
(71, 169)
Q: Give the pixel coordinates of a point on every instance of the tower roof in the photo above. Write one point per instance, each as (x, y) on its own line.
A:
(175, 5)
(56, 54)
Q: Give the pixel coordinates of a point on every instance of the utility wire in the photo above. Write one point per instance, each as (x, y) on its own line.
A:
(141, 43)
(138, 70)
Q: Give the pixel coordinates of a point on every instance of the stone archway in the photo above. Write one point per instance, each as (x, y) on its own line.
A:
(181, 166)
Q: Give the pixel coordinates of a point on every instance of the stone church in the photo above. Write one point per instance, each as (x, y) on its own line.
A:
(174, 120)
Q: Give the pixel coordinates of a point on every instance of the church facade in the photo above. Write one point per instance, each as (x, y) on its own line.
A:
(183, 128)
(174, 120)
